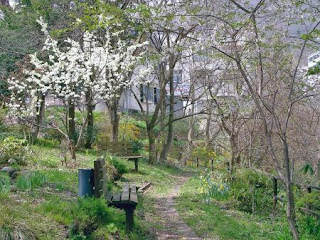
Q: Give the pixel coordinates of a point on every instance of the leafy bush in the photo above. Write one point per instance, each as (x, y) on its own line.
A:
(137, 146)
(42, 142)
(30, 180)
(252, 191)
(214, 186)
(17, 149)
(52, 134)
(89, 215)
(119, 166)
(309, 225)
(311, 199)
(129, 132)
(4, 183)
(204, 154)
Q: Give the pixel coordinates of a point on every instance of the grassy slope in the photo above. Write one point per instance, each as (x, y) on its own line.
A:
(49, 211)
(210, 220)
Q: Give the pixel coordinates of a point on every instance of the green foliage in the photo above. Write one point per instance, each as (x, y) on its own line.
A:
(30, 180)
(309, 226)
(5, 184)
(307, 168)
(62, 180)
(216, 221)
(51, 143)
(89, 215)
(214, 185)
(17, 149)
(52, 134)
(204, 154)
(118, 164)
(252, 191)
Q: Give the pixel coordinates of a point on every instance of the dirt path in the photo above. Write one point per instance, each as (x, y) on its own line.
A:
(166, 215)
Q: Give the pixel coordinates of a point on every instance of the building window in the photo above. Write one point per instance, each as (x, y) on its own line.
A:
(155, 95)
(177, 76)
(141, 93)
(147, 93)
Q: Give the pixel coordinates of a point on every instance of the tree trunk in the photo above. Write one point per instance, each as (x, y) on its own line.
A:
(207, 131)
(71, 123)
(89, 135)
(5, 2)
(39, 118)
(72, 149)
(114, 120)
(152, 146)
(234, 152)
(166, 146)
(318, 168)
(289, 193)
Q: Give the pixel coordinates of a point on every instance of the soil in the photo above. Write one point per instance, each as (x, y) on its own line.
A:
(167, 217)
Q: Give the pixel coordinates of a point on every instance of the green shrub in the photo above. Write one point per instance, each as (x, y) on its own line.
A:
(309, 225)
(30, 180)
(214, 185)
(17, 149)
(89, 215)
(121, 167)
(52, 134)
(204, 155)
(252, 191)
(51, 143)
(137, 146)
(4, 183)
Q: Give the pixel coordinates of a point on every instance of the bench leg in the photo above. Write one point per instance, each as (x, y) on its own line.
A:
(129, 218)
(136, 164)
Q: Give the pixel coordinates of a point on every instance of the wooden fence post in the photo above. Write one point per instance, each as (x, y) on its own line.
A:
(99, 178)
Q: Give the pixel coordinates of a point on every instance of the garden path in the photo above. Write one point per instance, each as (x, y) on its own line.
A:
(171, 225)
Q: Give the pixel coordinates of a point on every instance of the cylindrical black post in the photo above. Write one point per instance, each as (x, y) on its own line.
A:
(309, 191)
(129, 218)
(275, 192)
(85, 181)
(197, 162)
(212, 164)
(136, 164)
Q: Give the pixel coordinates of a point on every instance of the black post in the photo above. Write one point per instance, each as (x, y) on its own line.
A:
(309, 191)
(275, 192)
(129, 218)
(136, 164)
(212, 164)
(197, 162)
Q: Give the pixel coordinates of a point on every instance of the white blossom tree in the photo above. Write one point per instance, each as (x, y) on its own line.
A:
(69, 70)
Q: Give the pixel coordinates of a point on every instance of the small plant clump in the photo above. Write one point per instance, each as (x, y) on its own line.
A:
(14, 148)
(214, 185)
(30, 180)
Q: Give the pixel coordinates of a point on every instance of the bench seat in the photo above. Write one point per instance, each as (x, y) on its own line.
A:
(127, 200)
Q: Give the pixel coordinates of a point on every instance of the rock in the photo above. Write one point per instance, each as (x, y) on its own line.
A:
(9, 170)
(16, 173)
(12, 161)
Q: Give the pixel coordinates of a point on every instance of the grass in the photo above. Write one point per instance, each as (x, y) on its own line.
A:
(44, 204)
(209, 220)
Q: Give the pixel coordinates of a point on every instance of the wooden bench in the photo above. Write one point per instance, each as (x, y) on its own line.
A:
(124, 150)
(127, 200)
